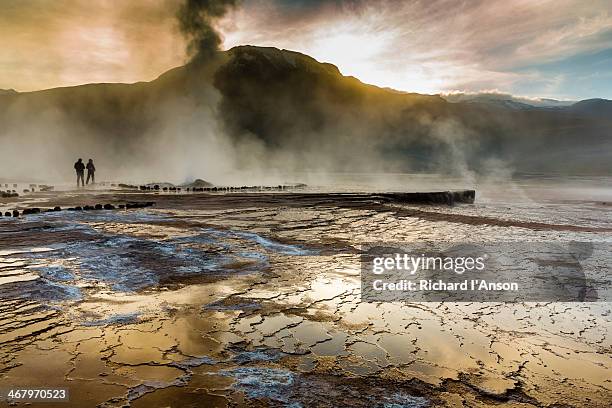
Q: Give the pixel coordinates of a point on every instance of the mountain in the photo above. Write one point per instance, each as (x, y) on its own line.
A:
(278, 109)
(506, 100)
(597, 108)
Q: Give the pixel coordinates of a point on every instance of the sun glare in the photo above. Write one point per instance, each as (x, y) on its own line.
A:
(365, 54)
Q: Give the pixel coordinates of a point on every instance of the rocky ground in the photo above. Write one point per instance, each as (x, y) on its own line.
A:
(254, 300)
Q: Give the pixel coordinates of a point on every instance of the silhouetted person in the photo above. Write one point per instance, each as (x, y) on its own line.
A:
(80, 170)
(91, 169)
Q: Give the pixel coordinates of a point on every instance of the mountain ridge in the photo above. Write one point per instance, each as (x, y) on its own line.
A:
(452, 97)
(283, 108)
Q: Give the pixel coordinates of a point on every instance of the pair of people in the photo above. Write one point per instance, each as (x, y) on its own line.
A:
(80, 171)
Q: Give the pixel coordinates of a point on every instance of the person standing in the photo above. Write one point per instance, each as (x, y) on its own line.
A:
(80, 171)
(91, 169)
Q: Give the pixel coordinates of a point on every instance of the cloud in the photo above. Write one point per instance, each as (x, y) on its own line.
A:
(430, 46)
(424, 46)
(69, 42)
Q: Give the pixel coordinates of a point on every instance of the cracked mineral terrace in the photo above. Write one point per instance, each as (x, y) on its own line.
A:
(254, 300)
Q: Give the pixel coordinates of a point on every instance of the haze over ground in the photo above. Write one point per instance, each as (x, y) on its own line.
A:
(264, 112)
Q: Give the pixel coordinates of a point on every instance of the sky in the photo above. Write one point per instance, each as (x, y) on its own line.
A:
(537, 48)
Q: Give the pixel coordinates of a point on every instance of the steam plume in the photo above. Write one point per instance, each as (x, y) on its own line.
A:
(196, 21)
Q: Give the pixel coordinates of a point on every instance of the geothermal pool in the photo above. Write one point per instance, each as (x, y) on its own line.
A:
(254, 300)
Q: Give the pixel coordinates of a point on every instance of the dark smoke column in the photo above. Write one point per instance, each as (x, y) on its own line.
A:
(196, 20)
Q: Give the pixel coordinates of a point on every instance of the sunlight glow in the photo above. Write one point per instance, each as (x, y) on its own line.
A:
(367, 55)
(359, 54)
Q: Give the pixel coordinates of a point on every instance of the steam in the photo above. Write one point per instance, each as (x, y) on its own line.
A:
(259, 116)
(196, 21)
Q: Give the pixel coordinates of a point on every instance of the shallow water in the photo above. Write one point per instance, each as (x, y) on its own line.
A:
(210, 301)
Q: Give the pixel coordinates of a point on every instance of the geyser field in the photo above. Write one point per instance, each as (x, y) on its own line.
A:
(305, 204)
(253, 299)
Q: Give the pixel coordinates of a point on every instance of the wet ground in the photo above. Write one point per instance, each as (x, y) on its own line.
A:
(254, 300)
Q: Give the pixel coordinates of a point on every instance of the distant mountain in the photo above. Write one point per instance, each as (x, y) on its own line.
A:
(198, 183)
(506, 100)
(550, 103)
(281, 109)
(598, 108)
